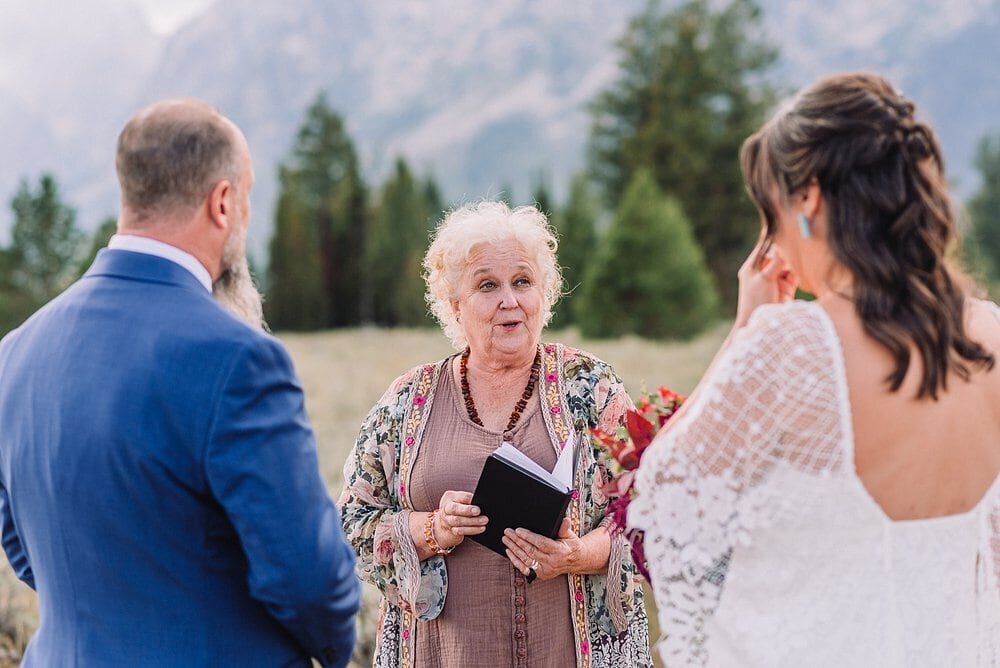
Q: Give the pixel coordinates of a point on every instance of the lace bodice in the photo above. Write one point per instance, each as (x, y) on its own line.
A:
(765, 548)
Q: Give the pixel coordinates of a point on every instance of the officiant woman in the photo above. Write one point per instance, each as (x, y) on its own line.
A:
(492, 279)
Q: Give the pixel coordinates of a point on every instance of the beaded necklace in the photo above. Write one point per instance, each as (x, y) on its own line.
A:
(470, 405)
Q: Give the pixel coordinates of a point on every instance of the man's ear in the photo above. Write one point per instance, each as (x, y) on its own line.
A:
(220, 204)
(456, 310)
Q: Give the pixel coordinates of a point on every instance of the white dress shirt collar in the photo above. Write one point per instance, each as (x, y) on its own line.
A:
(137, 244)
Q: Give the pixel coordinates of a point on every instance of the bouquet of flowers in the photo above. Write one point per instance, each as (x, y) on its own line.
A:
(626, 444)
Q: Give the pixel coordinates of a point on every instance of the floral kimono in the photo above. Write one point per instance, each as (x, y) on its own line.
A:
(577, 392)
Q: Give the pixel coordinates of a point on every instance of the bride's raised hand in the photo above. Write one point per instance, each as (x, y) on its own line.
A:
(764, 280)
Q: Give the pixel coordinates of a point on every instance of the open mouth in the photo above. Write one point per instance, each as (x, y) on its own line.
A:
(510, 325)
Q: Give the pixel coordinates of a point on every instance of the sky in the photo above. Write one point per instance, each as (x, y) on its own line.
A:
(165, 16)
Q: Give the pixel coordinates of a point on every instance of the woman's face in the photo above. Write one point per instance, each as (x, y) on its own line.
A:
(499, 306)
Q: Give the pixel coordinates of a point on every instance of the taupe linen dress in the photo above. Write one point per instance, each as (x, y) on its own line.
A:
(491, 616)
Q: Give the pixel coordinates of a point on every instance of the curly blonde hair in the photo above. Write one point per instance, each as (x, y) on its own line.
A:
(486, 222)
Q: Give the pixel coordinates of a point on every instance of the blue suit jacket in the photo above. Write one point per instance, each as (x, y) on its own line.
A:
(160, 487)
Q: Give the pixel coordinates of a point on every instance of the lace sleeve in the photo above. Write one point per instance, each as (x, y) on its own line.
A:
(706, 483)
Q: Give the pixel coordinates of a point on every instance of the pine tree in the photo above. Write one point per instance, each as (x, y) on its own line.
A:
(329, 195)
(983, 239)
(576, 224)
(41, 260)
(692, 89)
(541, 199)
(397, 241)
(296, 298)
(45, 241)
(649, 276)
(15, 305)
(433, 199)
(98, 240)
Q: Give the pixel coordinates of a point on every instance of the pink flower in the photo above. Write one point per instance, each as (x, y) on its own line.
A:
(585, 647)
(419, 400)
(551, 377)
(384, 543)
(555, 410)
(409, 441)
(384, 550)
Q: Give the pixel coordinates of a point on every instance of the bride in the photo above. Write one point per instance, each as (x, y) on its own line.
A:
(829, 495)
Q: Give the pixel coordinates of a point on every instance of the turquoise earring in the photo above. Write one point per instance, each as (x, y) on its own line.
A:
(804, 227)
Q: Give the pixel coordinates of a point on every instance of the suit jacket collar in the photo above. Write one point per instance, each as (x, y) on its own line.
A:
(142, 267)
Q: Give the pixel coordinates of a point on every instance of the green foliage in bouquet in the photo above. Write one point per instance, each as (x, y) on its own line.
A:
(649, 276)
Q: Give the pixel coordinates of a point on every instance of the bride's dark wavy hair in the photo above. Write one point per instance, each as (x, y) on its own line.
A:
(890, 221)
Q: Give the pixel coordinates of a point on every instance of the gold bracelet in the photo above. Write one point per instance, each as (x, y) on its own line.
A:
(429, 535)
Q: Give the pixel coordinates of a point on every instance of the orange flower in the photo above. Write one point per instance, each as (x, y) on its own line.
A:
(667, 395)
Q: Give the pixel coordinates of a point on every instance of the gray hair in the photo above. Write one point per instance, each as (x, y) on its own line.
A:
(171, 154)
(486, 222)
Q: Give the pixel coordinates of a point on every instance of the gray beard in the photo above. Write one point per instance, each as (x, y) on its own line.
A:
(235, 290)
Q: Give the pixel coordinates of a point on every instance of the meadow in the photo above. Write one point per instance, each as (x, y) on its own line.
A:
(344, 373)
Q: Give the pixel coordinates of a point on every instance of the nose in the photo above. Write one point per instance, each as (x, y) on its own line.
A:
(507, 297)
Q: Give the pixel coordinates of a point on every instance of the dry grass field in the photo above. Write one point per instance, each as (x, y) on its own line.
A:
(345, 372)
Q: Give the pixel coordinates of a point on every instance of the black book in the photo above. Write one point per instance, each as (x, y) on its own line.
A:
(514, 492)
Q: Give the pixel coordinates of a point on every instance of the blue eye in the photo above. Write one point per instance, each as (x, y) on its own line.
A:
(487, 285)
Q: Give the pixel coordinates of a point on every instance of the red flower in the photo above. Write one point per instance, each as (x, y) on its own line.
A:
(626, 445)
(640, 430)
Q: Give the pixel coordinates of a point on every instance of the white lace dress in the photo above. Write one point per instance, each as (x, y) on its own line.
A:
(766, 550)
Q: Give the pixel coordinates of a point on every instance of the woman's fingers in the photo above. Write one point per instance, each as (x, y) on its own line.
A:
(753, 261)
(772, 265)
(519, 562)
(767, 282)
(458, 497)
(548, 557)
(458, 515)
(532, 543)
(467, 530)
(519, 556)
(520, 539)
(788, 283)
(456, 504)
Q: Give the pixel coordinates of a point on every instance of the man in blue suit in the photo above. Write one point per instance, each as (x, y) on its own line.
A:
(159, 485)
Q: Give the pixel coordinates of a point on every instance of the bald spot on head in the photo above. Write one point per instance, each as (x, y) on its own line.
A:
(170, 156)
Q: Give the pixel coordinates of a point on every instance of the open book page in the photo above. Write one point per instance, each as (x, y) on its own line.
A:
(563, 470)
(557, 479)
